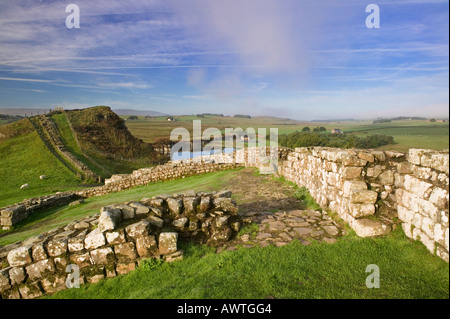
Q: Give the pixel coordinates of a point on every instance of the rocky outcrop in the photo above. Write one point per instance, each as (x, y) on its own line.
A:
(115, 241)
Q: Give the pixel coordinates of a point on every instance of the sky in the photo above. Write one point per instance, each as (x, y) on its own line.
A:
(299, 59)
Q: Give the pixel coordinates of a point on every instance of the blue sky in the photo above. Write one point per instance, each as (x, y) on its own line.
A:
(289, 58)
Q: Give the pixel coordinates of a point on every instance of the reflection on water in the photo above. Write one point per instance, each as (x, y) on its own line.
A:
(188, 155)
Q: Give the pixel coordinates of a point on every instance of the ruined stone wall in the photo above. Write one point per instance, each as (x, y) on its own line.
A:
(115, 241)
(371, 189)
(423, 199)
(13, 214)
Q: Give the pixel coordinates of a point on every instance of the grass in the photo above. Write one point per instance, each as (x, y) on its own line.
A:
(23, 159)
(52, 218)
(318, 271)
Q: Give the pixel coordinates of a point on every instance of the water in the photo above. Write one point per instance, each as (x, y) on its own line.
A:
(188, 155)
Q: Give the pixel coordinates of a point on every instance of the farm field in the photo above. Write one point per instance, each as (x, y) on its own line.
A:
(407, 133)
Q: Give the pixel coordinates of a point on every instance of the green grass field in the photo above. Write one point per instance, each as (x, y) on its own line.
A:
(318, 271)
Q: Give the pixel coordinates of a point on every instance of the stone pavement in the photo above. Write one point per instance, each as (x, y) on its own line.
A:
(282, 227)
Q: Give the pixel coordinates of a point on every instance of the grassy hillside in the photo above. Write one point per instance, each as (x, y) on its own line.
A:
(103, 135)
(23, 158)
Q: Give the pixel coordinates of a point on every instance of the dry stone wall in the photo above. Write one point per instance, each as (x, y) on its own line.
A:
(371, 189)
(423, 199)
(115, 241)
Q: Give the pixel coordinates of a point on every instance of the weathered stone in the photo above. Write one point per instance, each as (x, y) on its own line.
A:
(302, 231)
(374, 171)
(40, 269)
(225, 194)
(404, 168)
(225, 204)
(17, 275)
(178, 255)
(221, 221)
(205, 203)
(175, 205)
(366, 156)
(94, 274)
(102, 256)
(140, 208)
(156, 221)
(351, 172)
(331, 230)
(370, 228)
(128, 212)
(75, 244)
(94, 239)
(55, 283)
(61, 263)
(57, 247)
(167, 243)
(19, 256)
(190, 205)
(125, 252)
(4, 279)
(81, 259)
(30, 291)
(180, 222)
(38, 252)
(109, 218)
(147, 247)
(125, 268)
(139, 229)
(115, 237)
(386, 178)
(220, 235)
(439, 197)
(351, 186)
(364, 196)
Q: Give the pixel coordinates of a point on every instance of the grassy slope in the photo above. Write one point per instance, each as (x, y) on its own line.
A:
(322, 270)
(71, 144)
(23, 159)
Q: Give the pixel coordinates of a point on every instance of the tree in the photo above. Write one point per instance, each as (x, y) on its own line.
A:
(306, 129)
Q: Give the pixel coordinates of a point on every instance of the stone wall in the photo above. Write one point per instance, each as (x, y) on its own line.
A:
(371, 189)
(115, 241)
(13, 214)
(422, 197)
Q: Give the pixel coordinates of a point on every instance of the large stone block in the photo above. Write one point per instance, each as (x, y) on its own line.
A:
(40, 269)
(14, 214)
(225, 204)
(140, 208)
(362, 210)
(94, 239)
(19, 256)
(4, 279)
(54, 283)
(439, 197)
(370, 228)
(30, 291)
(167, 243)
(102, 256)
(75, 244)
(109, 218)
(364, 197)
(351, 172)
(386, 178)
(17, 275)
(147, 246)
(175, 206)
(57, 247)
(38, 252)
(125, 252)
(115, 237)
(351, 186)
(405, 214)
(81, 259)
(128, 212)
(139, 229)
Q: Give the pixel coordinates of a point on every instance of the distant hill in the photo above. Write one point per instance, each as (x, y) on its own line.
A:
(24, 111)
(138, 112)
